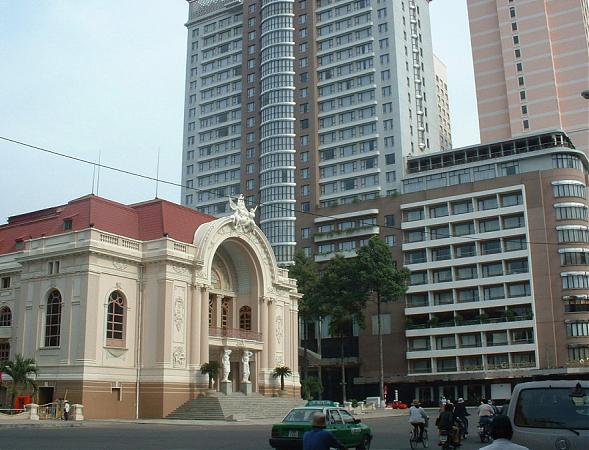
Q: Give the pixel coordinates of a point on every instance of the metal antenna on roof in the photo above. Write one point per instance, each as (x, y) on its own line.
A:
(93, 176)
(157, 172)
(98, 177)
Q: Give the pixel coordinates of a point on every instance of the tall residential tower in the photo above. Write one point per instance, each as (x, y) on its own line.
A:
(531, 64)
(301, 105)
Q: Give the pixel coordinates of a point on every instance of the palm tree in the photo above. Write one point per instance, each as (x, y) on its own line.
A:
(212, 370)
(21, 370)
(282, 372)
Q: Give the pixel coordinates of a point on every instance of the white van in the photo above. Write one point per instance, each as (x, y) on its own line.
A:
(551, 415)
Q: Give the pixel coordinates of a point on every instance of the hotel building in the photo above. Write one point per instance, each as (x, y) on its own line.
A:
(496, 237)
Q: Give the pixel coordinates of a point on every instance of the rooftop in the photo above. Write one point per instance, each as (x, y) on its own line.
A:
(144, 221)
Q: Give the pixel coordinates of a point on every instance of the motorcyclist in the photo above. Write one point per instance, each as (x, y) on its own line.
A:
(486, 414)
(446, 423)
(460, 412)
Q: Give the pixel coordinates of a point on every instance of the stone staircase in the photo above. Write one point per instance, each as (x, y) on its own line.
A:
(235, 406)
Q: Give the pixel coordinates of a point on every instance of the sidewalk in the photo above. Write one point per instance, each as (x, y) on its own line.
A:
(38, 424)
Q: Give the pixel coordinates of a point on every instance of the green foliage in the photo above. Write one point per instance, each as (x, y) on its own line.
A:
(312, 388)
(212, 370)
(458, 319)
(305, 272)
(23, 372)
(282, 372)
(484, 317)
(354, 403)
(434, 321)
(378, 272)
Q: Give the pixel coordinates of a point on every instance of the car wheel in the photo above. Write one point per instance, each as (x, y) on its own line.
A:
(365, 444)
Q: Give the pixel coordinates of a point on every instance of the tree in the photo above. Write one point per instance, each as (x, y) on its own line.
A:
(23, 372)
(305, 272)
(212, 370)
(282, 372)
(382, 279)
(344, 299)
(312, 388)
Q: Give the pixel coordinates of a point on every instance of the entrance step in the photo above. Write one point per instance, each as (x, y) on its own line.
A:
(222, 407)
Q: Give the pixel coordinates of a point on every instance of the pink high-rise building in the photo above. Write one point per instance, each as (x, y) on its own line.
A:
(531, 63)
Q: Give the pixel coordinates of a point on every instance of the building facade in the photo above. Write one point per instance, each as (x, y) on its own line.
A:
(443, 102)
(530, 65)
(301, 105)
(121, 305)
(496, 237)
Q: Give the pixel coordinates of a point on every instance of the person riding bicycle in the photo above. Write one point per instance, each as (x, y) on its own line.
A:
(418, 418)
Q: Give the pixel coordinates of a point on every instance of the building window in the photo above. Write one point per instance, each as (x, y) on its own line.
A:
(5, 283)
(53, 319)
(67, 224)
(5, 317)
(389, 220)
(526, 124)
(245, 318)
(4, 351)
(575, 280)
(578, 328)
(115, 319)
(391, 240)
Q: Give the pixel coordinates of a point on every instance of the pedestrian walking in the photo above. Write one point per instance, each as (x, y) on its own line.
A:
(66, 410)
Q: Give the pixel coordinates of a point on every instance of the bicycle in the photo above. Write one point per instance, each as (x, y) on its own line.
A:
(414, 438)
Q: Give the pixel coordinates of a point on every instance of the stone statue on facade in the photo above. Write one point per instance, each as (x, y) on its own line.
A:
(245, 361)
(226, 365)
(243, 219)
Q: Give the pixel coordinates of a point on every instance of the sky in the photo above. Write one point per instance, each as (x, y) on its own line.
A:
(107, 77)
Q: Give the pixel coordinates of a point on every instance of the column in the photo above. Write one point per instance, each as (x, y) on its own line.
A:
(272, 333)
(218, 306)
(195, 324)
(204, 324)
(263, 320)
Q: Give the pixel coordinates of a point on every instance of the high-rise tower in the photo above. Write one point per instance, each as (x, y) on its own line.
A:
(301, 105)
(531, 64)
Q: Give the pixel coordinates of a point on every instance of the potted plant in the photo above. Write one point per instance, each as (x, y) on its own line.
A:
(458, 319)
(212, 370)
(282, 372)
(510, 315)
(484, 317)
(434, 321)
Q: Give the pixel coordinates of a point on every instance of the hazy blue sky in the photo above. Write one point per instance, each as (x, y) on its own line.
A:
(108, 75)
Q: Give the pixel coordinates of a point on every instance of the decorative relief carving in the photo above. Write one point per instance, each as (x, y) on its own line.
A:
(278, 360)
(180, 270)
(178, 357)
(279, 329)
(119, 265)
(118, 285)
(179, 314)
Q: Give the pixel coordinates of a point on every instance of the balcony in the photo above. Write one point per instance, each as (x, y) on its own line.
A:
(344, 234)
(235, 333)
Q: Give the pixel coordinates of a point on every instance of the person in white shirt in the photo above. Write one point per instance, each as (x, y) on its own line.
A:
(502, 432)
(417, 418)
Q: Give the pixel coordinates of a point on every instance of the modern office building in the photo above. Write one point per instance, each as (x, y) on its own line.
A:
(301, 105)
(496, 237)
(121, 305)
(531, 63)
(443, 101)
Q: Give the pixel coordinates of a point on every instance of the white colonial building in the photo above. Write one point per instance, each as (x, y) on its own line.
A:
(121, 305)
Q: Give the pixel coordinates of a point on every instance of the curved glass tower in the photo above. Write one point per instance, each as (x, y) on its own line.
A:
(277, 135)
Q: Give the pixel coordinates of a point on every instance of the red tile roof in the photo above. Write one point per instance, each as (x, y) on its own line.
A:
(143, 221)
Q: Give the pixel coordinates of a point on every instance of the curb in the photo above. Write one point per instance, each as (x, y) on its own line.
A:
(35, 424)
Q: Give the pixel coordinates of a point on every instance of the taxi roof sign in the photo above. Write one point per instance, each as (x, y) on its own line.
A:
(321, 403)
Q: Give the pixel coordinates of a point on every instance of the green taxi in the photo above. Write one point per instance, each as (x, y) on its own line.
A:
(288, 434)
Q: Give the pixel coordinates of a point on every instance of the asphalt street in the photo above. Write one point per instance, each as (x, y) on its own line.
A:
(390, 433)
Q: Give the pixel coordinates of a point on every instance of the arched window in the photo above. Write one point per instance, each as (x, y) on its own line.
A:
(53, 319)
(245, 318)
(4, 351)
(115, 319)
(5, 317)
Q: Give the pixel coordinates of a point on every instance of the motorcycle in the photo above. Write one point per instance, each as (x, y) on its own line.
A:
(462, 427)
(485, 431)
(446, 442)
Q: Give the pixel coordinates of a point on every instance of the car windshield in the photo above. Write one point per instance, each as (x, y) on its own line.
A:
(301, 415)
(561, 408)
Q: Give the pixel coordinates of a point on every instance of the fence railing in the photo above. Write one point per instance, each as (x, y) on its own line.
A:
(235, 333)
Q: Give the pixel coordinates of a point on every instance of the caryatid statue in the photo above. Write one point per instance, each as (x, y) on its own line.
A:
(245, 361)
(226, 365)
